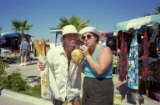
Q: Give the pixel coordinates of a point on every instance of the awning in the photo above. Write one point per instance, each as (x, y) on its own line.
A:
(12, 34)
(137, 22)
(55, 30)
(108, 34)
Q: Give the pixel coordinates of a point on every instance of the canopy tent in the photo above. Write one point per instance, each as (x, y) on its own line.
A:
(108, 34)
(137, 22)
(12, 39)
(55, 30)
(2, 40)
(139, 25)
(13, 34)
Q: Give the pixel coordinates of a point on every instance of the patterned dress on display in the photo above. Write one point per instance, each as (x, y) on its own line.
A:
(145, 71)
(123, 60)
(133, 75)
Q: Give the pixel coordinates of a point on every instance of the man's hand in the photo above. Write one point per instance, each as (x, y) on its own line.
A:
(41, 66)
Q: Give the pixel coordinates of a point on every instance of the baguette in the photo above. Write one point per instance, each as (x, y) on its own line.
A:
(37, 47)
(43, 47)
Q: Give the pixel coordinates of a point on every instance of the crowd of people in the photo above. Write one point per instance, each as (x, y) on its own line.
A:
(96, 65)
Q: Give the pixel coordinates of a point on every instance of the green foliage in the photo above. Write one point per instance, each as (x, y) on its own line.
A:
(33, 91)
(13, 81)
(16, 82)
(74, 20)
(36, 91)
(157, 9)
(3, 65)
(21, 26)
(3, 80)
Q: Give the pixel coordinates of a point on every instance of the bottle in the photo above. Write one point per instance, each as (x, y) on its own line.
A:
(117, 98)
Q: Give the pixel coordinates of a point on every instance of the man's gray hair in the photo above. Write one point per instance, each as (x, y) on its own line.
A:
(24, 38)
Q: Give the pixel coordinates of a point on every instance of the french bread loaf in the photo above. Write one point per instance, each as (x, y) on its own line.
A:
(43, 47)
(37, 46)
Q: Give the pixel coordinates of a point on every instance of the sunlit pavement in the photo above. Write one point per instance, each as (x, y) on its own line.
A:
(33, 76)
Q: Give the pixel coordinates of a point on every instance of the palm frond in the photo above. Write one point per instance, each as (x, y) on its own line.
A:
(157, 9)
(74, 20)
(16, 24)
(20, 26)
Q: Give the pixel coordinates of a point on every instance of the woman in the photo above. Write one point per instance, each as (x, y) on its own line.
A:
(97, 66)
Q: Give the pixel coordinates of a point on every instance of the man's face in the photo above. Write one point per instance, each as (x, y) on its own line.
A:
(70, 39)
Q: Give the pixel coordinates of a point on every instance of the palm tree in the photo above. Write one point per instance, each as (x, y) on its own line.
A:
(157, 9)
(74, 20)
(21, 26)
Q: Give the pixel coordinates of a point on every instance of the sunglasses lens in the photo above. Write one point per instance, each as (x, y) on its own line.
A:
(88, 37)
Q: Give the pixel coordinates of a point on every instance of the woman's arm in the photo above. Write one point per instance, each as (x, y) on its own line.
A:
(104, 60)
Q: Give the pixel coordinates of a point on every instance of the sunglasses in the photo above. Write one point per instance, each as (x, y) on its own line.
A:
(88, 37)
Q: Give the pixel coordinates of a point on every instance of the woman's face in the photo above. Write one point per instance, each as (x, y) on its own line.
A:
(89, 39)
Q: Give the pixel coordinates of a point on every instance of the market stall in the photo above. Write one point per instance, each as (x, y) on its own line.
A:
(138, 44)
(9, 45)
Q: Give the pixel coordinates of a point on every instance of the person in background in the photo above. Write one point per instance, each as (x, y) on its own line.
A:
(64, 76)
(97, 67)
(29, 58)
(24, 50)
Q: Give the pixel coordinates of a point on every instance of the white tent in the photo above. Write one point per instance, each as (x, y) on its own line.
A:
(137, 22)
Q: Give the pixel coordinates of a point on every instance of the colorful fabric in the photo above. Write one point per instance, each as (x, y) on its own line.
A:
(115, 61)
(145, 71)
(123, 60)
(132, 74)
(154, 71)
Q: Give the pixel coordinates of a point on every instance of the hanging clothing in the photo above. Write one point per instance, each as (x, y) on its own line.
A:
(123, 60)
(153, 37)
(145, 71)
(158, 43)
(132, 74)
(153, 43)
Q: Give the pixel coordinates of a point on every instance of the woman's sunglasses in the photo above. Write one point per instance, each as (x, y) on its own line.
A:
(88, 37)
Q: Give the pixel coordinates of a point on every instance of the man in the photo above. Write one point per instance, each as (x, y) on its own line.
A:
(64, 76)
(24, 50)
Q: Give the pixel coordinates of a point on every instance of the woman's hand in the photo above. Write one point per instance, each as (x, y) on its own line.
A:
(84, 50)
(41, 66)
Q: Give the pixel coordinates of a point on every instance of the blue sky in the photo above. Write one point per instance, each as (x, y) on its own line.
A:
(45, 14)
